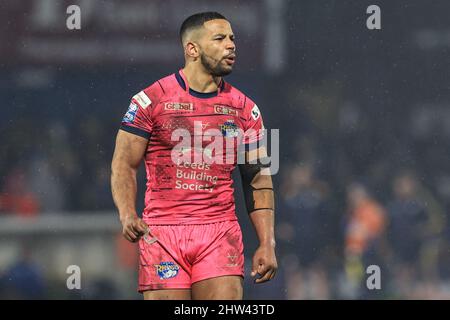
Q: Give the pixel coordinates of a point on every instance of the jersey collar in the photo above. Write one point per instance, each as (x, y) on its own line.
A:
(181, 79)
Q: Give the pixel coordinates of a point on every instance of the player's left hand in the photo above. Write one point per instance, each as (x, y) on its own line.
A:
(264, 263)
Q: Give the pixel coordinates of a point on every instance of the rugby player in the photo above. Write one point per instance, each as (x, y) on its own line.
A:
(189, 238)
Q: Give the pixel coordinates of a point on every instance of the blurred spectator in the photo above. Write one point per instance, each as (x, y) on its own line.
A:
(23, 280)
(363, 234)
(304, 209)
(46, 185)
(302, 228)
(416, 223)
(16, 196)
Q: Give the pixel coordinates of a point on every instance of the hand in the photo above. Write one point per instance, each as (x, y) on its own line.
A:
(133, 228)
(264, 263)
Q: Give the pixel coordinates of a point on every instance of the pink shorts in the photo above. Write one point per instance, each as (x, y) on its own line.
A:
(176, 256)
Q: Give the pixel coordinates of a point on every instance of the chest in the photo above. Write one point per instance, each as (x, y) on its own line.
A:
(200, 122)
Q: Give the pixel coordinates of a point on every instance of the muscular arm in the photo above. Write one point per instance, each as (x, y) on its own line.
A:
(128, 154)
(258, 190)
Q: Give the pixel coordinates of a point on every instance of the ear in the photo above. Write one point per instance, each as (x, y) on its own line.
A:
(192, 50)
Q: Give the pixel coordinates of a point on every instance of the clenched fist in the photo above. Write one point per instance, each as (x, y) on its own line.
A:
(264, 264)
(133, 228)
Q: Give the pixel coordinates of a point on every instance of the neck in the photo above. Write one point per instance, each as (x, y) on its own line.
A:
(200, 80)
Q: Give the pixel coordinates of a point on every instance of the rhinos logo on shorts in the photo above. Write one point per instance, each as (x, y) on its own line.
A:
(166, 270)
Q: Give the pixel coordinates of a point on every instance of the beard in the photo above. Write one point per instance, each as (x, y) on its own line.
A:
(214, 66)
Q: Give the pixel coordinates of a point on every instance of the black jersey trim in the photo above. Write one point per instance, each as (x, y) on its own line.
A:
(136, 131)
(202, 95)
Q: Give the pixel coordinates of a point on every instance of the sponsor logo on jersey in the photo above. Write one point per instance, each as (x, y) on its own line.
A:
(229, 129)
(179, 106)
(167, 270)
(131, 113)
(142, 99)
(205, 125)
(221, 109)
(204, 151)
(255, 112)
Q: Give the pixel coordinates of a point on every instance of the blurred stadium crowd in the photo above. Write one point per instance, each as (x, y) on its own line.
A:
(364, 147)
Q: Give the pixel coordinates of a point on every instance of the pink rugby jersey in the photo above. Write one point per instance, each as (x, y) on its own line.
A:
(192, 149)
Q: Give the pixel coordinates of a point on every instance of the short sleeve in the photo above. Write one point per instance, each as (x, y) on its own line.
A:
(137, 119)
(254, 128)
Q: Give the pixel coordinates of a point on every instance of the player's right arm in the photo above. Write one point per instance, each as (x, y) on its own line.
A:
(128, 153)
(131, 145)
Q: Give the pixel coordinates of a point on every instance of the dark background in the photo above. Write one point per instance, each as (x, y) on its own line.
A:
(364, 124)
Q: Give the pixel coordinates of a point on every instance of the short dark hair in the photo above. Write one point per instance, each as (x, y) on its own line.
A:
(197, 20)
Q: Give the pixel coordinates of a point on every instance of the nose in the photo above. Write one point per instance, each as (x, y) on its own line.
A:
(230, 45)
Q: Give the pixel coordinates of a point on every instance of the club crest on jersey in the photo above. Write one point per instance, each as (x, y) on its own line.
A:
(179, 106)
(166, 270)
(255, 112)
(131, 113)
(220, 109)
(229, 129)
